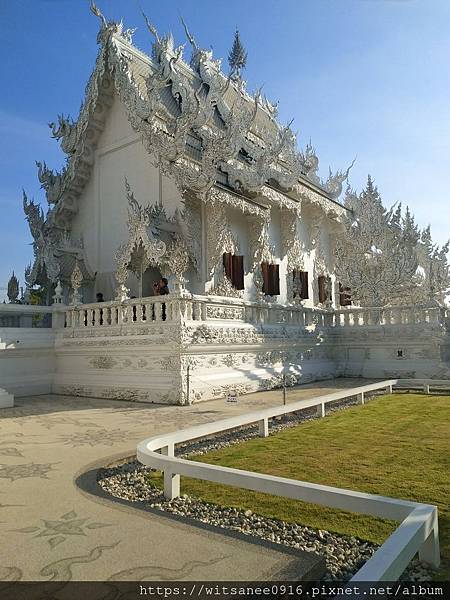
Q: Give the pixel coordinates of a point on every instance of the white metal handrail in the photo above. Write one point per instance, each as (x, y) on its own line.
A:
(417, 532)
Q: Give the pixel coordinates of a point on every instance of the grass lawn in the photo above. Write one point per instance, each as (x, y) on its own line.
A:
(396, 445)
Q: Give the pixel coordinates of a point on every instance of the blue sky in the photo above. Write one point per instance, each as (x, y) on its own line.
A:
(365, 78)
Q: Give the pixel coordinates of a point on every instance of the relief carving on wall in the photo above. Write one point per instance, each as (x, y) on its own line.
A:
(224, 287)
(224, 312)
(190, 222)
(294, 249)
(260, 249)
(219, 237)
(176, 258)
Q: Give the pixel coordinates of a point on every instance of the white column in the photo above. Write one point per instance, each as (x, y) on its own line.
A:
(429, 552)
(263, 427)
(321, 410)
(171, 485)
(171, 480)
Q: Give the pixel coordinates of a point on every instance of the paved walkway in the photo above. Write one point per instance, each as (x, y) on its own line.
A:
(52, 530)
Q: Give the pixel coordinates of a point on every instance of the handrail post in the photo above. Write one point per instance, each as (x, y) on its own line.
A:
(58, 319)
(168, 450)
(171, 480)
(263, 426)
(171, 485)
(429, 551)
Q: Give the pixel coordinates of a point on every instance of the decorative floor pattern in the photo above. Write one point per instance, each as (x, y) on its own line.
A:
(53, 531)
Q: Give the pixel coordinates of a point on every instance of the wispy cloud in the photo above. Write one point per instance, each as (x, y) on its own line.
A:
(18, 126)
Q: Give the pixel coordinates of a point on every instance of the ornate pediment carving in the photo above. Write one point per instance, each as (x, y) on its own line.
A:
(220, 238)
(142, 248)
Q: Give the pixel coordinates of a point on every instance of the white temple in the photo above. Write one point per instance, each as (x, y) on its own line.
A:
(174, 170)
(207, 170)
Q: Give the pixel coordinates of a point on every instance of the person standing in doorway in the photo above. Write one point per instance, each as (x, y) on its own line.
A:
(161, 288)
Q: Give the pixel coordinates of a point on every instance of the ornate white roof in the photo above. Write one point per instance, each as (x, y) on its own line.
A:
(200, 126)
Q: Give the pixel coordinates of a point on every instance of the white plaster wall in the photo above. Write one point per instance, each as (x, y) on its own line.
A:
(127, 365)
(303, 231)
(143, 362)
(275, 241)
(102, 216)
(239, 230)
(27, 360)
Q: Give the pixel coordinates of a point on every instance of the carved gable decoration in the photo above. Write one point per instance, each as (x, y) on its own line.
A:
(142, 249)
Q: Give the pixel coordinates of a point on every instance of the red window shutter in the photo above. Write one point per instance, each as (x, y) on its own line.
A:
(271, 279)
(275, 280)
(228, 264)
(347, 296)
(321, 283)
(237, 270)
(304, 280)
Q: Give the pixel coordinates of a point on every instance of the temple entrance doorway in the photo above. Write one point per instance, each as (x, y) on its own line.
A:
(151, 275)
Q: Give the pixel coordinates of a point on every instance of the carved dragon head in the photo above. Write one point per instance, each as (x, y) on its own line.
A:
(163, 48)
(63, 128)
(35, 217)
(200, 56)
(333, 184)
(107, 28)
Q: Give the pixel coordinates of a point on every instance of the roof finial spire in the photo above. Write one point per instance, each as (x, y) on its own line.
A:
(237, 59)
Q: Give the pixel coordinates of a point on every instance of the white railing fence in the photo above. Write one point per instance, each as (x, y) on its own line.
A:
(188, 307)
(175, 307)
(417, 532)
(25, 315)
(395, 315)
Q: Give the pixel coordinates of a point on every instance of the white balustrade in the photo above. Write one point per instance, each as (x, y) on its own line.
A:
(209, 308)
(26, 315)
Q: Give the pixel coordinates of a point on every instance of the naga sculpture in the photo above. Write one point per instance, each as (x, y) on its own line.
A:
(52, 183)
(333, 184)
(66, 131)
(44, 239)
